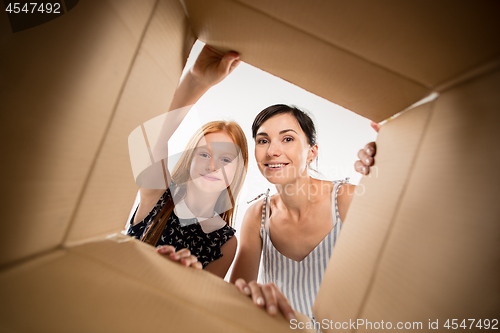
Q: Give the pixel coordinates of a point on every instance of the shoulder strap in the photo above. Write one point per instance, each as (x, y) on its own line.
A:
(265, 210)
(335, 205)
(264, 206)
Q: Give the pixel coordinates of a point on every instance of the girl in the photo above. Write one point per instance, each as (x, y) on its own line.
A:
(296, 229)
(191, 220)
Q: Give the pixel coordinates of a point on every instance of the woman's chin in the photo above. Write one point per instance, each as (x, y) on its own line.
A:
(279, 180)
(280, 177)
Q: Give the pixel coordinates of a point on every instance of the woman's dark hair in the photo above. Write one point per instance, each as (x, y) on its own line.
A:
(305, 122)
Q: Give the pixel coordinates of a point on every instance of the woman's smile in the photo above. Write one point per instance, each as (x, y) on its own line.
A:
(275, 166)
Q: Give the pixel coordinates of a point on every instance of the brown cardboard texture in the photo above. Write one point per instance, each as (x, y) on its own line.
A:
(365, 239)
(435, 253)
(97, 286)
(402, 50)
(421, 242)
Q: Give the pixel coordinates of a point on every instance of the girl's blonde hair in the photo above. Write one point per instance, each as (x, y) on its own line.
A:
(181, 175)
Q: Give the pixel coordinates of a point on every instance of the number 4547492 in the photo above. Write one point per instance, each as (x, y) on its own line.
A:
(469, 323)
(34, 7)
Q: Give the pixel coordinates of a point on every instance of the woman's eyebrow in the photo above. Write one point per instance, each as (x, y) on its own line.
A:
(288, 130)
(281, 132)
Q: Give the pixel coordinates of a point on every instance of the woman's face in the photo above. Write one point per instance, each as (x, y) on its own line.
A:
(214, 162)
(282, 150)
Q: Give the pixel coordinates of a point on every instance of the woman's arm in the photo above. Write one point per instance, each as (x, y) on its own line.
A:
(246, 267)
(210, 68)
(247, 261)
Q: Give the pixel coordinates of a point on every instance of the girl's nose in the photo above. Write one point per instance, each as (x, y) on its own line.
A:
(212, 166)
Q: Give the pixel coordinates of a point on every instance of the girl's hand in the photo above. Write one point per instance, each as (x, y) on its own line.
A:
(367, 154)
(183, 256)
(212, 66)
(267, 295)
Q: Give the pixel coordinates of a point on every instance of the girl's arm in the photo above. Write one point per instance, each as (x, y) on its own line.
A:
(210, 68)
(220, 266)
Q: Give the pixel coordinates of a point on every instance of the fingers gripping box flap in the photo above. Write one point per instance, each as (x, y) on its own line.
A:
(115, 286)
(438, 258)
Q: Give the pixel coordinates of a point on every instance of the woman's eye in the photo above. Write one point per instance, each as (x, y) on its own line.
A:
(262, 141)
(288, 139)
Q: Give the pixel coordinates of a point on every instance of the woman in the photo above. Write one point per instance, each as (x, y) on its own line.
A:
(296, 229)
(191, 220)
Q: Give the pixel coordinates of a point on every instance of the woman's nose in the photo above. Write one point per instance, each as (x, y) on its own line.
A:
(274, 149)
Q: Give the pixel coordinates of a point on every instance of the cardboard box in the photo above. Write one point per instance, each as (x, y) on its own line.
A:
(421, 245)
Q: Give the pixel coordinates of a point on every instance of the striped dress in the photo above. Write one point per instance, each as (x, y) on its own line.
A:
(299, 281)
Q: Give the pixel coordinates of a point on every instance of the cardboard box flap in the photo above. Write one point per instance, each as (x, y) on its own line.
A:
(304, 59)
(64, 78)
(110, 286)
(427, 41)
(370, 217)
(374, 59)
(439, 258)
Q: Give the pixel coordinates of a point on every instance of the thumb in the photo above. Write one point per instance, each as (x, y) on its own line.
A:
(229, 62)
(375, 126)
(234, 65)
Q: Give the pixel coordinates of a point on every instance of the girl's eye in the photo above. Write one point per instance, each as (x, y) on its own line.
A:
(288, 139)
(262, 141)
(226, 160)
(204, 155)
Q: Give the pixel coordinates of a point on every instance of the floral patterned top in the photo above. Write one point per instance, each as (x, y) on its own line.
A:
(187, 233)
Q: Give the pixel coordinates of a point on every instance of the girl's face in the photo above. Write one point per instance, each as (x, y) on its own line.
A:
(214, 162)
(282, 150)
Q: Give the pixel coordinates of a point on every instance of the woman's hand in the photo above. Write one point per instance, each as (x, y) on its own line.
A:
(267, 295)
(183, 256)
(367, 154)
(212, 66)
